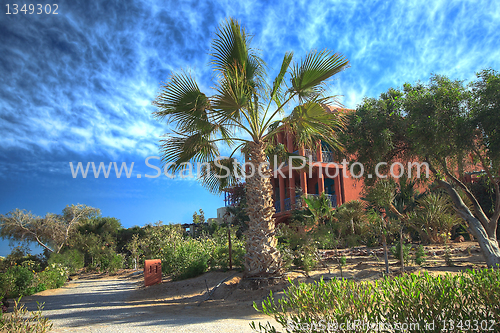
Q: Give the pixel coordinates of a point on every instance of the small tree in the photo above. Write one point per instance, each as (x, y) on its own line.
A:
(199, 218)
(449, 127)
(51, 232)
(135, 250)
(383, 196)
(351, 219)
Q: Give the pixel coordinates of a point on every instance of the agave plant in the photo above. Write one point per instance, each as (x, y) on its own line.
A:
(244, 115)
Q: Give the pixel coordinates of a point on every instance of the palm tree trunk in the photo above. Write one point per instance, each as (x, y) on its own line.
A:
(262, 257)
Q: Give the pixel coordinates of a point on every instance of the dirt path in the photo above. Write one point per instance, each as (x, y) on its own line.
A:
(121, 304)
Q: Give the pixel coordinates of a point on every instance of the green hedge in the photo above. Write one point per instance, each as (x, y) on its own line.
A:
(454, 303)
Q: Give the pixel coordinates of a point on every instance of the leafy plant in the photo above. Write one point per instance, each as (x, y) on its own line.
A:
(218, 248)
(72, 259)
(23, 321)
(191, 259)
(53, 276)
(396, 252)
(297, 240)
(434, 218)
(17, 281)
(420, 255)
(470, 298)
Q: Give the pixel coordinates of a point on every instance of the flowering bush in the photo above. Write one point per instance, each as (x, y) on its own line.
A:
(53, 276)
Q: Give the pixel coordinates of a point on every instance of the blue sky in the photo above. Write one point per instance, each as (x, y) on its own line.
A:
(77, 86)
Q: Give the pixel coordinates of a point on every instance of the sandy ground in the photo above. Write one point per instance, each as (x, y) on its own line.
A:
(121, 303)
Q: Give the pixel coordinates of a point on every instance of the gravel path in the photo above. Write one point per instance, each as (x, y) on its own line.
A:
(102, 305)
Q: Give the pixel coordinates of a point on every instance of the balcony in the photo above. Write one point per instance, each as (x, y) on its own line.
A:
(327, 156)
(332, 198)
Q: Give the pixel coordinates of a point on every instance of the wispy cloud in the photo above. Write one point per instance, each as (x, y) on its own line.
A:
(83, 81)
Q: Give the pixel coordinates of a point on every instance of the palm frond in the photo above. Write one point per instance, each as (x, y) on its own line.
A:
(311, 123)
(220, 174)
(180, 149)
(233, 94)
(232, 52)
(181, 101)
(278, 153)
(309, 76)
(278, 81)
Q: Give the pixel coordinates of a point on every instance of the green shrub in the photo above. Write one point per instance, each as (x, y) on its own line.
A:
(420, 255)
(115, 263)
(72, 259)
(22, 281)
(396, 252)
(468, 299)
(22, 321)
(299, 243)
(306, 258)
(218, 247)
(54, 276)
(188, 259)
(337, 301)
(192, 269)
(17, 281)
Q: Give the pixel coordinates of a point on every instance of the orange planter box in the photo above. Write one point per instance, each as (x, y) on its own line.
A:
(152, 272)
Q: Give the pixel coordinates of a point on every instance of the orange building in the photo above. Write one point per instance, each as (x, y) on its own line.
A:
(324, 174)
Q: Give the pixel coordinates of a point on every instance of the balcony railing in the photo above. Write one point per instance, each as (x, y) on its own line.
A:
(331, 197)
(327, 156)
(288, 204)
(277, 206)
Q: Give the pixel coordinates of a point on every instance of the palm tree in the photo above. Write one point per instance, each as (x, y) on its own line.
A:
(242, 114)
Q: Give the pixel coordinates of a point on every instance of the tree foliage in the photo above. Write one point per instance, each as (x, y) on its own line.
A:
(448, 124)
(51, 232)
